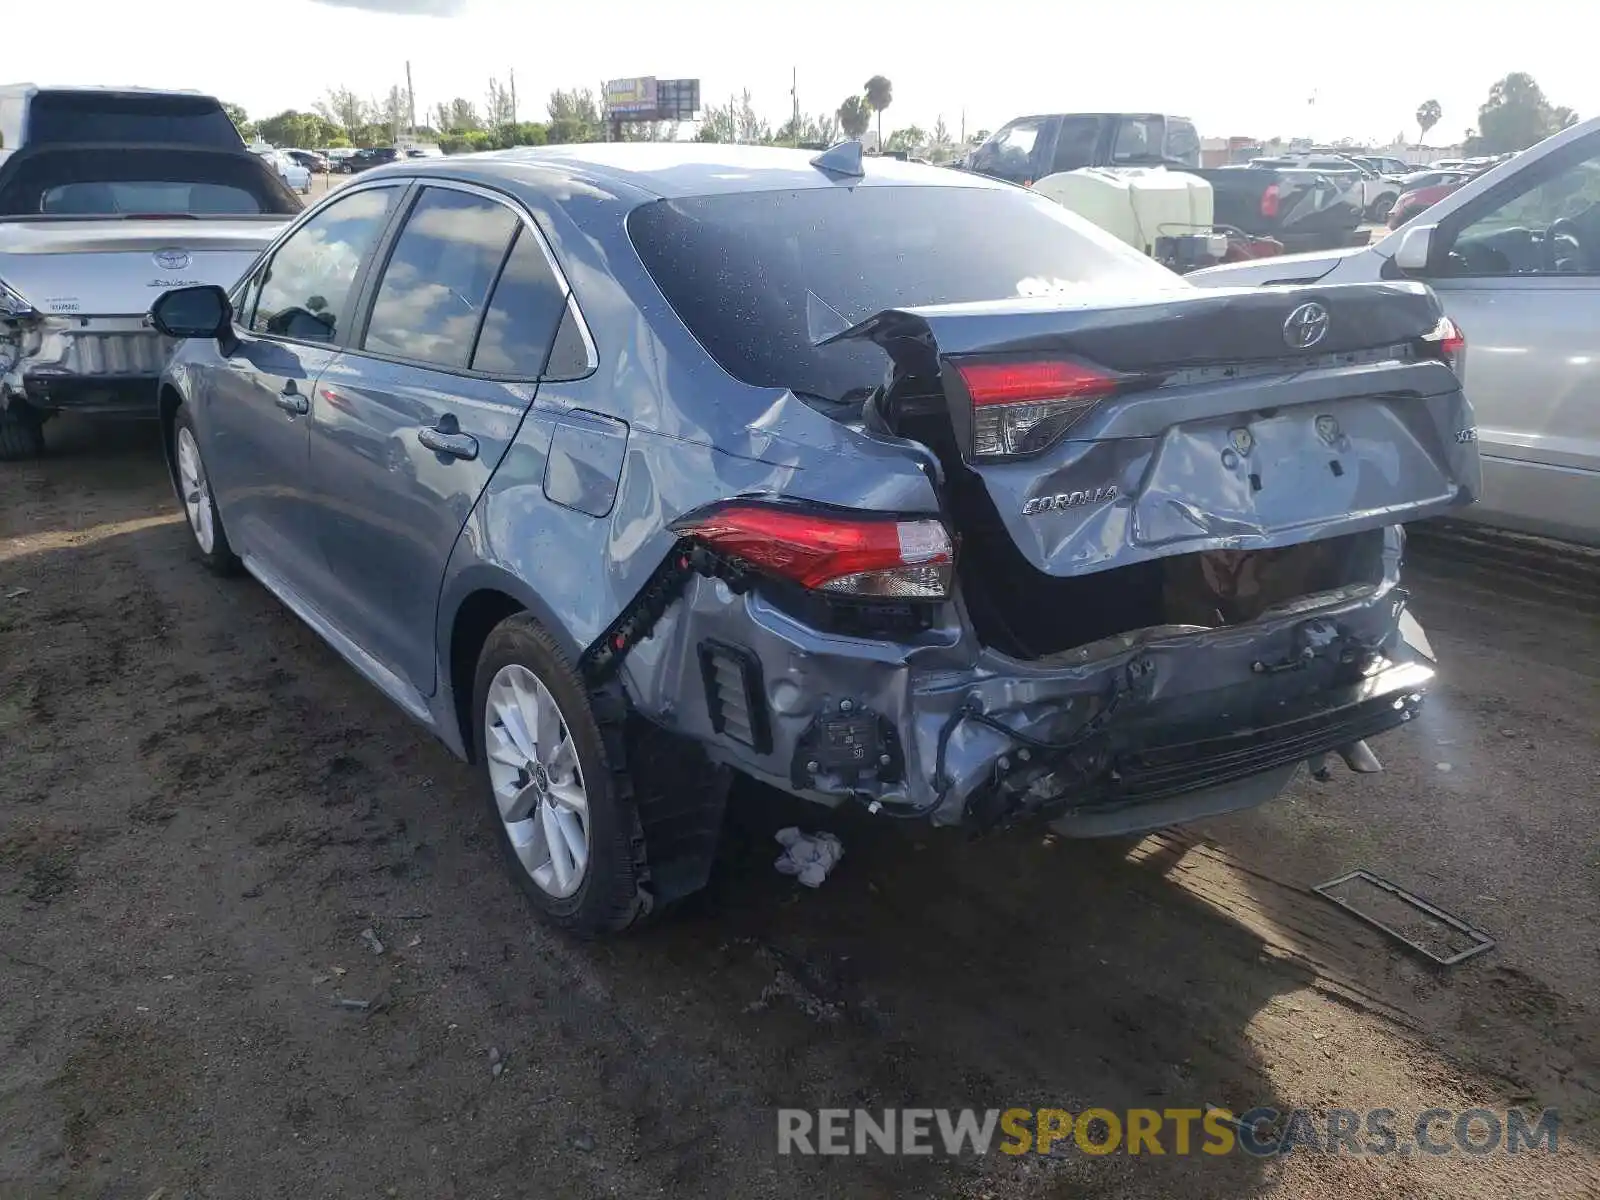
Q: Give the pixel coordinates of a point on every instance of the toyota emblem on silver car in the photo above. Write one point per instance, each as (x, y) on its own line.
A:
(172, 259)
(1305, 326)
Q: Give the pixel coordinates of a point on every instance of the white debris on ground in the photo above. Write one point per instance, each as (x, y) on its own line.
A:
(808, 856)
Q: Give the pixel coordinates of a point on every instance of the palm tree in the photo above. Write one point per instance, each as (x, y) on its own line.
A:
(854, 116)
(1428, 115)
(880, 94)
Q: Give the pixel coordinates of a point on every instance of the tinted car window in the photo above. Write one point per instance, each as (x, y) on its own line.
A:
(307, 290)
(736, 268)
(112, 182)
(527, 307)
(1075, 143)
(115, 117)
(431, 298)
(149, 198)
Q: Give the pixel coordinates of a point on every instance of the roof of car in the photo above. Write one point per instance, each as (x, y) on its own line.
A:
(675, 169)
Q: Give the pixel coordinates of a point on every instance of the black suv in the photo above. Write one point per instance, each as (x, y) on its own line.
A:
(370, 156)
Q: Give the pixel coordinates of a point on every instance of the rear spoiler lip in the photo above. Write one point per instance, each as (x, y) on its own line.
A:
(917, 337)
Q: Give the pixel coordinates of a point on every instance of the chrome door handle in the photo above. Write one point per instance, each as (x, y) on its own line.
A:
(456, 445)
(292, 402)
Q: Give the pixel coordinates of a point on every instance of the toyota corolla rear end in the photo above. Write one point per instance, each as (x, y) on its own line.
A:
(1060, 537)
(90, 236)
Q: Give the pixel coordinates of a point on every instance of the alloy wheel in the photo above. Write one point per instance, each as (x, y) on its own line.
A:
(537, 781)
(196, 492)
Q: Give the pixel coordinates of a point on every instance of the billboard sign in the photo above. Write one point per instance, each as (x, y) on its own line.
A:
(677, 99)
(632, 96)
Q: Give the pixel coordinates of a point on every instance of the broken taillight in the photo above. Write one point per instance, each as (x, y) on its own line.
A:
(1022, 407)
(859, 554)
(12, 303)
(1446, 342)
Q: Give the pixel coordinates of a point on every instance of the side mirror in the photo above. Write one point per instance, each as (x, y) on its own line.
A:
(1415, 248)
(193, 312)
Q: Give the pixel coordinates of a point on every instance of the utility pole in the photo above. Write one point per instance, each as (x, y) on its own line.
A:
(794, 93)
(411, 102)
(513, 95)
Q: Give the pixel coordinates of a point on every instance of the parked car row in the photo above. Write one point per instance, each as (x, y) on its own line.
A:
(1514, 255)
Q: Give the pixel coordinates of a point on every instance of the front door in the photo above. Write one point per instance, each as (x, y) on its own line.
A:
(292, 316)
(1518, 268)
(409, 425)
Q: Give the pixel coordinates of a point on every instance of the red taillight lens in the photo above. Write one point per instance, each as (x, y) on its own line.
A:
(1022, 407)
(862, 555)
(1446, 341)
(1269, 201)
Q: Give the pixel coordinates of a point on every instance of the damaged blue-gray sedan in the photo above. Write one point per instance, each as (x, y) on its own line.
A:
(625, 467)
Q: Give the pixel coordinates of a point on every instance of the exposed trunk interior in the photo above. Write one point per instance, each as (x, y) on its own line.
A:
(1024, 612)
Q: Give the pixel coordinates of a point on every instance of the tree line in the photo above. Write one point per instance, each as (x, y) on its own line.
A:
(1515, 116)
(342, 118)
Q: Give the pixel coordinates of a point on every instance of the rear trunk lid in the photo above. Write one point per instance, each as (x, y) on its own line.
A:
(1103, 432)
(118, 267)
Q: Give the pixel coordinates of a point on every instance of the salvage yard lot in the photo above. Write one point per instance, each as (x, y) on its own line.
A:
(202, 810)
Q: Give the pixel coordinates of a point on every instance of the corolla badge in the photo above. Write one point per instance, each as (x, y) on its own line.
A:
(1305, 326)
(1044, 504)
(173, 258)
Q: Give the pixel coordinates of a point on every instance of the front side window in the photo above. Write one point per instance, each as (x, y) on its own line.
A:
(1547, 223)
(523, 315)
(1009, 153)
(309, 286)
(434, 288)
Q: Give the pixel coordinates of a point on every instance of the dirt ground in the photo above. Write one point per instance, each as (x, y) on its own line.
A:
(202, 809)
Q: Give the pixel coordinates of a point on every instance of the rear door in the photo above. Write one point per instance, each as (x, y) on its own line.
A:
(409, 425)
(1519, 268)
(294, 312)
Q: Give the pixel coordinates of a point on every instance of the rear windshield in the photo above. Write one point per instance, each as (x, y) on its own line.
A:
(120, 117)
(141, 182)
(737, 267)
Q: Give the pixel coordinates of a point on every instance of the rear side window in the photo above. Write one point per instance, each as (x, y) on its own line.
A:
(523, 316)
(129, 117)
(1076, 143)
(737, 268)
(1183, 143)
(431, 299)
(1138, 139)
(308, 287)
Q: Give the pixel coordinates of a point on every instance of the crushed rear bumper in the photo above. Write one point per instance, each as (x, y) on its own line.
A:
(102, 365)
(1140, 730)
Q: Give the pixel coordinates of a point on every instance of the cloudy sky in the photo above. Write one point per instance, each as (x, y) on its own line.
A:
(1219, 63)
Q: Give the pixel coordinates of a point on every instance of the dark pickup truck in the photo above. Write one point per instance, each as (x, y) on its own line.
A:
(1303, 209)
(1300, 208)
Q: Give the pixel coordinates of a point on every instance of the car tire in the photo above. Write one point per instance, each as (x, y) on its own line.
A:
(1379, 212)
(193, 487)
(21, 433)
(556, 785)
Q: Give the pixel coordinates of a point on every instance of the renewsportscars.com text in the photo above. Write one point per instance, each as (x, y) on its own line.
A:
(1263, 1131)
